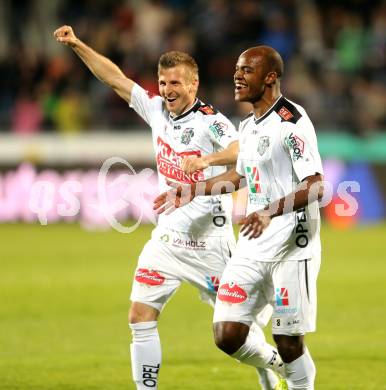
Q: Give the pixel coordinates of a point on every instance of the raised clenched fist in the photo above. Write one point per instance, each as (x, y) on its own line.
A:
(65, 35)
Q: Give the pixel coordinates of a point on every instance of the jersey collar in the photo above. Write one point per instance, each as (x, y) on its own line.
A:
(273, 107)
(196, 105)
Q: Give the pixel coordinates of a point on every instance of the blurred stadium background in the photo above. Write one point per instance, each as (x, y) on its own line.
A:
(63, 321)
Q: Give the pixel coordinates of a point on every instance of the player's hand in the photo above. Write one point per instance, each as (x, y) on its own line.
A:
(254, 225)
(192, 164)
(65, 35)
(178, 196)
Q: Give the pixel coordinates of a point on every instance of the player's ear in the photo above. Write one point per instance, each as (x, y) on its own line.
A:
(271, 78)
(194, 85)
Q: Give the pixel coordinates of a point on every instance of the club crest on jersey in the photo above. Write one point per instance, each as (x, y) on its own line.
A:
(263, 145)
(231, 293)
(187, 135)
(149, 277)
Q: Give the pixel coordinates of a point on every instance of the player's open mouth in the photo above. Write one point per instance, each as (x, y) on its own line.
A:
(239, 86)
(170, 100)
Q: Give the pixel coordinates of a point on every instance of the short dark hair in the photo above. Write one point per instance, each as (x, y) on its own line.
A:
(174, 58)
(275, 63)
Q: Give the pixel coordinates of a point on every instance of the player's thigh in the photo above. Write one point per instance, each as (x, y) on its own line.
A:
(156, 277)
(241, 293)
(294, 296)
(204, 267)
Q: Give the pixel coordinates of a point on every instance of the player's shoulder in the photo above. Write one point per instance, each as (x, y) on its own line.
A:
(289, 111)
(246, 118)
(207, 113)
(245, 121)
(146, 94)
(206, 109)
(210, 115)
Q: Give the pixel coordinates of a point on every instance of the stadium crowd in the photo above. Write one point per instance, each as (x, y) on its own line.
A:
(335, 54)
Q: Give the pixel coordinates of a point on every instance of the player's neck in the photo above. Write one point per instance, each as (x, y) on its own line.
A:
(184, 109)
(265, 103)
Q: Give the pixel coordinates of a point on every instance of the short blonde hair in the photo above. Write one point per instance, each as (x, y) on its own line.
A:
(174, 58)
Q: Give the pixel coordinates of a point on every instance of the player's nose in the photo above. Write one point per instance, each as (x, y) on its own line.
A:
(237, 75)
(168, 88)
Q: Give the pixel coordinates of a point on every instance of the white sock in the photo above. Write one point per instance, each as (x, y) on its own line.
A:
(300, 374)
(268, 380)
(258, 353)
(145, 354)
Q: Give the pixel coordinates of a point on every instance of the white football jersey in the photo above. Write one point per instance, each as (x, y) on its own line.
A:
(278, 151)
(198, 131)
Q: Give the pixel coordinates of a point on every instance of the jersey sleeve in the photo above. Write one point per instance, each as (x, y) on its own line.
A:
(239, 163)
(221, 131)
(144, 103)
(299, 140)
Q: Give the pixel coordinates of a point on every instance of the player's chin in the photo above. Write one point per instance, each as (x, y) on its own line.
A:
(240, 97)
(171, 107)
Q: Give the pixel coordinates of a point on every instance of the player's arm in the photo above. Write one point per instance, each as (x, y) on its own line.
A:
(228, 156)
(182, 194)
(104, 69)
(308, 191)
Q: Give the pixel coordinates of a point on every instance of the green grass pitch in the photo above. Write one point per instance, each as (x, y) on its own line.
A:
(63, 314)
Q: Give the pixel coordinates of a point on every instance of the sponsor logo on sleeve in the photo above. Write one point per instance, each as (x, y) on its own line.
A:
(296, 145)
(169, 163)
(285, 114)
(231, 293)
(218, 129)
(149, 277)
(207, 110)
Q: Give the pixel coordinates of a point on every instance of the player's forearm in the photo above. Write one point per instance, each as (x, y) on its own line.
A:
(308, 191)
(104, 69)
(227, 156)
(227, 182)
